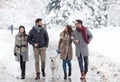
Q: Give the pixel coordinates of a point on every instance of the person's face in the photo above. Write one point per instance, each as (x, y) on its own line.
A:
(22, 30)
(78, 25)
(39, 23)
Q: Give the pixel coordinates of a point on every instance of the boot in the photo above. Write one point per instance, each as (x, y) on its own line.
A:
(85, 72)
(23, 70)
(37, 76)
(65, 76)
(82, 75)
(23, 77)
(69, 73)
(43, 73)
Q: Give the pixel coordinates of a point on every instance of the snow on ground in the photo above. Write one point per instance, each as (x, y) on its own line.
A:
(6, 50)
(106, 41)
(104, 53)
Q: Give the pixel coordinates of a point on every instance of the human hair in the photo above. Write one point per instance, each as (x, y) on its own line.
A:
(70, 30)
(79, 21)
(38, 20)
(21, 27)
(24, 33)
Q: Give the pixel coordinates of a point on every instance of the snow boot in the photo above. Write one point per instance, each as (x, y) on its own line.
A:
(37, 76)
(43, 73)
(23, 77)
(69, 73)
(65, 75)
(82, 75)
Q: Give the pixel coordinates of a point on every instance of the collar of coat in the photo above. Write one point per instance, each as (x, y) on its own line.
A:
(21, 34)
(64, 37)
(38, 28)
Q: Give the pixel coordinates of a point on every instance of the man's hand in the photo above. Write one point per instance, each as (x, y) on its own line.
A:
(36, 45)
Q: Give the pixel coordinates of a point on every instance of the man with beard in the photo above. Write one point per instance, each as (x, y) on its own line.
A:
(82, 37)
(38, 37)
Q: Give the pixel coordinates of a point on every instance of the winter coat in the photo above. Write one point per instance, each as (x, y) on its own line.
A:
(65, 47)
(40, 37)
(82, 47)
(21, 47)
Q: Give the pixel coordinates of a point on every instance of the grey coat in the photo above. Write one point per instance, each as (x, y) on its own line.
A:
(82, 47)
(21, 47)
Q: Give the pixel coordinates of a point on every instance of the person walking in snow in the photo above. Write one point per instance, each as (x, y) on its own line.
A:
(82, 37)
(38, 37)
(21, 49)
(11, 28)
(65, 48)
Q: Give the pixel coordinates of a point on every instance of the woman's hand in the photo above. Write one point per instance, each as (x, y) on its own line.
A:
(77, 41)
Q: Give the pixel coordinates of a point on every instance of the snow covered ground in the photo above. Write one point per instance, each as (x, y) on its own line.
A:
(104, 53)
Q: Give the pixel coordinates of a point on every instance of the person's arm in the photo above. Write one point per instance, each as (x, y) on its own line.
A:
(30, 38)
(59, 43)
(46, 39)
(89, 34)
(75, 41)
(15, 46)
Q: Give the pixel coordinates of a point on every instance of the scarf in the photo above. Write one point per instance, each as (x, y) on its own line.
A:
(84, 35)
(38, 28)
(22, 35)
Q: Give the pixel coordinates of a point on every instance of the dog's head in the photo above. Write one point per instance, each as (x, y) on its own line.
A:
(53, 58)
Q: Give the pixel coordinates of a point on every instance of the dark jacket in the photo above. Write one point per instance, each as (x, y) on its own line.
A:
(40, 37)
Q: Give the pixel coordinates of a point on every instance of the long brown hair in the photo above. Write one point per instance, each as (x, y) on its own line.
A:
(70, 30)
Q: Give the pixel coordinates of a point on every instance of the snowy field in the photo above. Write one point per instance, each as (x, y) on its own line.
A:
(104, 53)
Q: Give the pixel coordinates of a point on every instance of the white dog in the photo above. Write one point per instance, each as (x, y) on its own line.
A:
(54, 67)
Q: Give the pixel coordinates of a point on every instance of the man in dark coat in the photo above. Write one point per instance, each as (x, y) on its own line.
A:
(38, 37)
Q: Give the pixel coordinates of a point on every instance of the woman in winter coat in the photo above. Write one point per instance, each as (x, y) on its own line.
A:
(21, 49)
(65, 47)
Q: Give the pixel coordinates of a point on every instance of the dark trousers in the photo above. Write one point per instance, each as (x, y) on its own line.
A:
(64, 66)
(22, 66)
(83, 63)
(11, 31)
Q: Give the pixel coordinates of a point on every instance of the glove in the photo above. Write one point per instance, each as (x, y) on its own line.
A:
(58, 51)
(15, 54)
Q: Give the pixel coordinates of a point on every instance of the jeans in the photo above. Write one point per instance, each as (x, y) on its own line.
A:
(83, 63)
(64, 66)
(22, 66)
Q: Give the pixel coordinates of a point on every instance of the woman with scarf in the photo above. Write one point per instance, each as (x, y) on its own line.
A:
(21, 49)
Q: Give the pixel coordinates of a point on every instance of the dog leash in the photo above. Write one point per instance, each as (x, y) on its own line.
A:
(58, 52)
